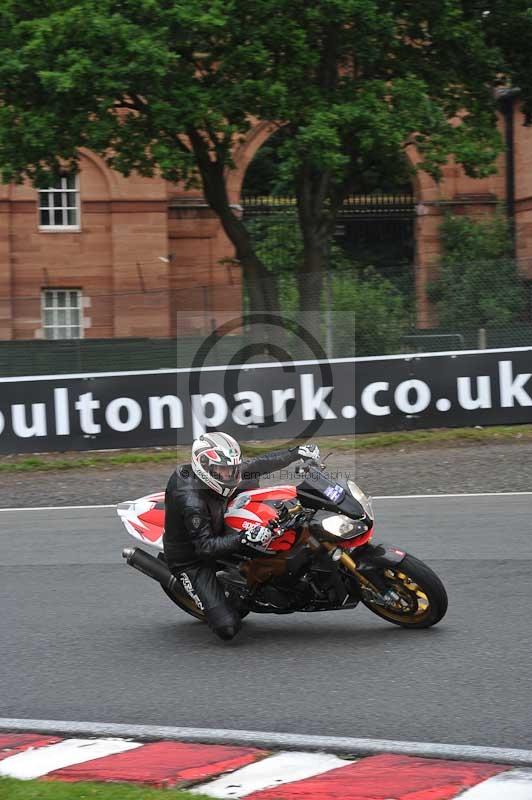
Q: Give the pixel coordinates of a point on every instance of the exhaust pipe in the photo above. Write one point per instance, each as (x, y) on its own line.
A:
(153, 567)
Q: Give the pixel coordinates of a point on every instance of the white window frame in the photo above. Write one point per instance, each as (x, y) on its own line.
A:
(59, 214)
(51, 302)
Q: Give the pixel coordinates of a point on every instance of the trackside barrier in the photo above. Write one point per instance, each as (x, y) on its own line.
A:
(288, 400)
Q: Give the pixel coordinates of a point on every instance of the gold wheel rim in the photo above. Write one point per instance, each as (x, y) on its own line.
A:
(409, 591)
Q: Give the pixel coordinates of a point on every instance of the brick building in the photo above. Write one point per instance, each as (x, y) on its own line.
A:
(101, 255)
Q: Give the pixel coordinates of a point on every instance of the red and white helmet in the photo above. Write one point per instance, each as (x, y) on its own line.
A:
(216, 460)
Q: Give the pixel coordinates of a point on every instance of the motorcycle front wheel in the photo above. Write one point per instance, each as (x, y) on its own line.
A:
(422, 599)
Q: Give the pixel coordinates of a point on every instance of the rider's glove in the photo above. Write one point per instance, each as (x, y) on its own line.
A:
(257, 535)
(309, 452)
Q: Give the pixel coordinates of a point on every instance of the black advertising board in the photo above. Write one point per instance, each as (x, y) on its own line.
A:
(266, 401)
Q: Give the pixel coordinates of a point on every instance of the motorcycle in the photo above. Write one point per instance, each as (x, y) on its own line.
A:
(321, 556)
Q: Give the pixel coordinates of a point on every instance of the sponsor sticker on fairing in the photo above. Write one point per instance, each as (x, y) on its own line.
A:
(334, 493)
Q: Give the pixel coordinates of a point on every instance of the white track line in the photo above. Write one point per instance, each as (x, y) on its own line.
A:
(513, 785)
(273, 771)
(271, 740)
(34, 763)
(463, 494)
(375, 497)
(57, 508)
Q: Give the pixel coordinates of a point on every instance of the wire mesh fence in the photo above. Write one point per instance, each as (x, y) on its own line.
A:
(351, 309)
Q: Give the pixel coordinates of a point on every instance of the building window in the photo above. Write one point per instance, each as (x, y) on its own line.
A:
(61, 313)
(59, 204)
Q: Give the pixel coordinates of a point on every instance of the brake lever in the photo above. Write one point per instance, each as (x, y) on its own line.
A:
(304, 469)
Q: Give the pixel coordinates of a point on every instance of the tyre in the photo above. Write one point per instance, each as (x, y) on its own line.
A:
(422, 597)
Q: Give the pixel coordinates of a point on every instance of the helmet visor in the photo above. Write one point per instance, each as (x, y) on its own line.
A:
(227, 474)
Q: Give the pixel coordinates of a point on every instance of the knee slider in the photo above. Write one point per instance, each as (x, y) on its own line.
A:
(224, 621)
(227, 632)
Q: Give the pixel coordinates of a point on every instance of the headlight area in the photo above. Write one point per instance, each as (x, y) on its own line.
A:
(338, 525)
(354, 533)
(345, 531)
(345, 527)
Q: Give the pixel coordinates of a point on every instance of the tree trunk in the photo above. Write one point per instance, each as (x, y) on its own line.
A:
(319, 196)
(263, 325)
(316, 221)
(310, 285)
(261, 284)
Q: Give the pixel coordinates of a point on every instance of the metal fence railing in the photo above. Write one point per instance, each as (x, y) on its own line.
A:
(353, 310)
(390, 204)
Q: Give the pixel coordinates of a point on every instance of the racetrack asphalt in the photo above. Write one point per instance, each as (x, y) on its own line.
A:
(436, 468)
(84, 637)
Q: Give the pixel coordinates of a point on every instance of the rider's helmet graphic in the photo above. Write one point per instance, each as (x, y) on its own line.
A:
(217, 460)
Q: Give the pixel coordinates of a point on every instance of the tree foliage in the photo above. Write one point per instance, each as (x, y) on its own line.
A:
(507, 27)
(366, 312)
(364, 80)
(478, 285)
(168, 86)
(156, 86)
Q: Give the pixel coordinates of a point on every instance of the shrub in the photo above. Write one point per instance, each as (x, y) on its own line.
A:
(369, 314)
(478, 285)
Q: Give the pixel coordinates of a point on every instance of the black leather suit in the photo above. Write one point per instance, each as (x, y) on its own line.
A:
(194, 536)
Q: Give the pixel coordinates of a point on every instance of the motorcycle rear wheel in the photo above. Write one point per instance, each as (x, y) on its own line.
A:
(423, 599)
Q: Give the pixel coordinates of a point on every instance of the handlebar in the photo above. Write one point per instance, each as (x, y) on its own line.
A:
(278, 529)
(305, 467)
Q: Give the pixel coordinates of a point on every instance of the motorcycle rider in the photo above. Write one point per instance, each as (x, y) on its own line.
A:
(195, 501)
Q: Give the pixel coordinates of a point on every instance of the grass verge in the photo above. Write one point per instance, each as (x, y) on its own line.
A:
(336, 444)
(11, 789)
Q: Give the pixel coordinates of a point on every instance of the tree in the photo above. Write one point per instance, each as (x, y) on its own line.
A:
(364, 80)
(477, 285)
(369, 316)
(507, 26)
(151, 85)
(169, 85)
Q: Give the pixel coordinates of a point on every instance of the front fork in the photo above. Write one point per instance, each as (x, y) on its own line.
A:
(375, 590)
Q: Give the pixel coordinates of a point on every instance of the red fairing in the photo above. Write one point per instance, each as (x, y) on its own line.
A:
(154, 517)
(154, 525)
(144, 518)
(257, 508)
(358, 541)
(269, 493)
